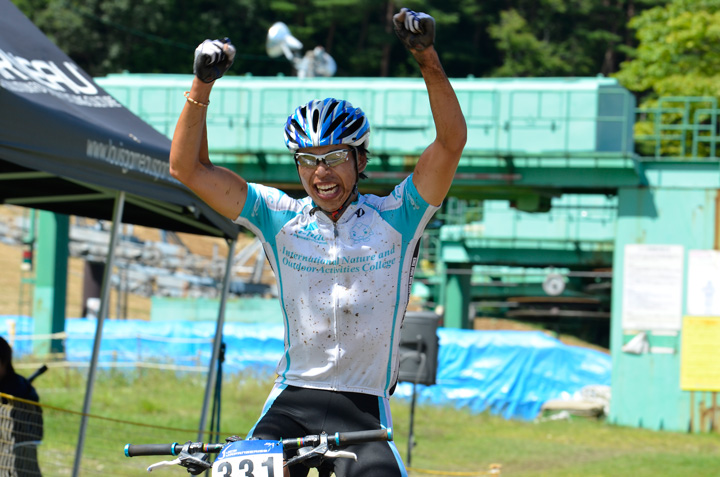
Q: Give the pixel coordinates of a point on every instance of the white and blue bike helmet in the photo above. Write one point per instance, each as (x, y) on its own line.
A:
(325, 122)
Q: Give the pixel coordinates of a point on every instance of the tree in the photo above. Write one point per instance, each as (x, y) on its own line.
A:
(524, 54)
(678, 53)
(677, 56)
(562, 38)
(153, 36)
(492, 37)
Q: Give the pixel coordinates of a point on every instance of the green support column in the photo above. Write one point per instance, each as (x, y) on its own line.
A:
(51, 265)
(457, 296)
(646, 387)
(456, 269)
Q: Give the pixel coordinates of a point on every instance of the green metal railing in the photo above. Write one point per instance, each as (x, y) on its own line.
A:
(679, 129)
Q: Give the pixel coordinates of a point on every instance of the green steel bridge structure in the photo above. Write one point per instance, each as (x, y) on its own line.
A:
(558, 178)
(543, 165)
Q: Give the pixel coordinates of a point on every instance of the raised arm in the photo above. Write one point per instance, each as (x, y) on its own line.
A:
(220, 188)
(436, 167)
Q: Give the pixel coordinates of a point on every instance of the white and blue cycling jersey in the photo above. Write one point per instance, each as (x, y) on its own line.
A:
(344, 286)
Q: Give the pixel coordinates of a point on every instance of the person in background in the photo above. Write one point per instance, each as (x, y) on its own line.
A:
(11, 382)
(27, 428)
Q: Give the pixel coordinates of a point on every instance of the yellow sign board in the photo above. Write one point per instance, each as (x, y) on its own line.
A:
(700, 354)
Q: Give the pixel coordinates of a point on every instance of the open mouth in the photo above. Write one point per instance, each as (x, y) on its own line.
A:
(327, 191)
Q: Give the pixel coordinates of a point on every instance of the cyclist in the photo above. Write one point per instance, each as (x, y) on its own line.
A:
(344, 261)
(26, 418)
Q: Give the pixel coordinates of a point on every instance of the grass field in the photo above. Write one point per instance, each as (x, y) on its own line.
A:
(447, 440)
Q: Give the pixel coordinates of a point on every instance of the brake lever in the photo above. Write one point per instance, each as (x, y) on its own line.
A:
(320, 450)
(341, 455)
(195, 462)
(163, 464)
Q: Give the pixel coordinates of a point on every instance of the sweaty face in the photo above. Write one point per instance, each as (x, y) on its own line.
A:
(329, 187)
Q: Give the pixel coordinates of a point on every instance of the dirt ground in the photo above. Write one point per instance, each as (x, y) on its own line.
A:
(512, 325)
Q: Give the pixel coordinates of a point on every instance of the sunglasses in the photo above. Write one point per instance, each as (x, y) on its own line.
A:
(330, 159)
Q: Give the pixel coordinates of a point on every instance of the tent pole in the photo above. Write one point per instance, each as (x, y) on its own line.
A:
(212, 372)
(102, 314)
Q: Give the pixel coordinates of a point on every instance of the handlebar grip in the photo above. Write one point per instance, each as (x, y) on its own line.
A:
(133, 450)
(341, 438)
(356, 437)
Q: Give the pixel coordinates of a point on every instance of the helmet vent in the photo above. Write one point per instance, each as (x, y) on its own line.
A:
(334, 125)
(351, 129)
(299, 129)
(331, 107)
(315, 119)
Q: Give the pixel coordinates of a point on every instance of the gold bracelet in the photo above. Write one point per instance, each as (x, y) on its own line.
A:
(196, 103)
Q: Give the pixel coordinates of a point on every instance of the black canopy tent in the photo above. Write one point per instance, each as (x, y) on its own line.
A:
(67, 146)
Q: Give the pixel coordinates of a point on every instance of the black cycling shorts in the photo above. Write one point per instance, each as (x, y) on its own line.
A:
(296, 412)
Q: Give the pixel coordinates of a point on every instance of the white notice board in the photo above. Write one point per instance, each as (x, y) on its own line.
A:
(652, 287)
(703, 291)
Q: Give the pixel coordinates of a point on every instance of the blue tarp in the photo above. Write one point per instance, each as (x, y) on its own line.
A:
(511, 373)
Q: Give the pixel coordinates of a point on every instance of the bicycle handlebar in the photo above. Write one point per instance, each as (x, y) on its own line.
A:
(338, 439)
(134, 450)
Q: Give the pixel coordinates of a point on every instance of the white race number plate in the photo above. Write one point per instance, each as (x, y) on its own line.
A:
(254, 458)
